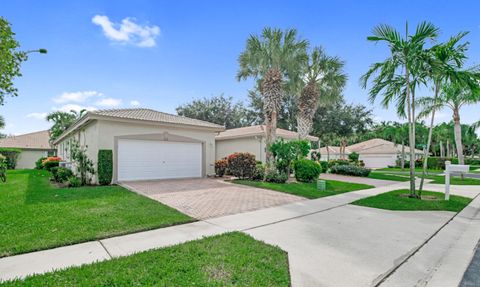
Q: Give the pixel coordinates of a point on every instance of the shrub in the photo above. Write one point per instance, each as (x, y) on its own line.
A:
(275, 176)
(83, 164)
(241, 164)
(259, 173)
(354, 156)
(11, 156)
(350, 170)
(472, 161)
(324, 165)
(105, 166)
(74, 181)
(285, 152)
(39, 163)
(221, 167)
(3, 161)
(51, 162)
(338, 162)
(61, 174)
(307, 170)
(315, 155)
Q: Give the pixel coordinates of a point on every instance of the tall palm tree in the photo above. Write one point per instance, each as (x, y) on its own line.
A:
(453, 96)
(446, 59)
(323, 83)
(273, 59)
(397, 77)
(62, 121)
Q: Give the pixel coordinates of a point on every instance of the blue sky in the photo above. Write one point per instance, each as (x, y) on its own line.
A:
(159, 54)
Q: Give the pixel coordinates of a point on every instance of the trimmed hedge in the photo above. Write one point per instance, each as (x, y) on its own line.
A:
(350, 170)
(221, 167)
(61, 174)
(11, 155)
(105, 166)
(275, 176)
(324, 165)
(307, 170)
(334, 162)
(241, 164)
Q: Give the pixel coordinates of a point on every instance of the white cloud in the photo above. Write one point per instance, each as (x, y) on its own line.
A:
(128, 32)
(135, 103)
(38, 116)
(74, 107)
(76, 97)
(109, 102)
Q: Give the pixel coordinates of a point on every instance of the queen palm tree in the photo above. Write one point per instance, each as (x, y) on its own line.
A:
(453, 96)
(273, 59)
(323, 82)
(397, 77)
(447, 58)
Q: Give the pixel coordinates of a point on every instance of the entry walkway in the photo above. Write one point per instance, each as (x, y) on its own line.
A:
(329, 242)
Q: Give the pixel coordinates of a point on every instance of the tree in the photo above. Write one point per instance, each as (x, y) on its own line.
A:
(11, 60)
(446, 59)
(2, 126)
(398, 134)
(324, 81)
(399, 75)
(219, 110)
(62, 121)
(453, 96)
(273, 59)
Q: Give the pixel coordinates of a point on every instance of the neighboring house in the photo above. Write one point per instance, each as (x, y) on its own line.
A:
(332, 153)
(249, 139)
(146, 144)
(33, 145)
(375, 153)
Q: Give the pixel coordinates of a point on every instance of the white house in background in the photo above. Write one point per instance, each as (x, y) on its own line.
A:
(249, 139)
(375, 153)
(33, 145)
(146, 144)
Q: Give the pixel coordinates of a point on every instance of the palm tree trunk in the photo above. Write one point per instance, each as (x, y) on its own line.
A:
(328, 153)
(272, 92)
(427, 149)
(402, 161)
(442, 152)
(303, 126)
(411, 134)
(307, 106)
(458, 137)
(448, 148)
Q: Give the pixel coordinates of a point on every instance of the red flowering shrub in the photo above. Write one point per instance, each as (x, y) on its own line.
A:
(241, 164)
(50, 162)
(221, 167)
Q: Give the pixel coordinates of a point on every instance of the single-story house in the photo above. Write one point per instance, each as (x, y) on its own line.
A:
(375, 153)
(249, 139)
(33, 146)
(146, 144)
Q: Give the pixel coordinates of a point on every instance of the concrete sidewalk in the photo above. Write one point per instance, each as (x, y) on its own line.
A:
(329, 242)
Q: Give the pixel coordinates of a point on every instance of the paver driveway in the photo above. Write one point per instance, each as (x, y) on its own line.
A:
(207, 198)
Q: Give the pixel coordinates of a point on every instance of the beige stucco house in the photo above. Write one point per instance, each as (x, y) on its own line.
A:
(249, 139)
(146, 144)
(375, 153)
(33, 145)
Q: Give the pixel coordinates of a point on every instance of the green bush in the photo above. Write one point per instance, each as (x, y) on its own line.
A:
(259, 173)
(307, 170)
(324, 165)
(350, 170)
(221, 167)
(285, 152)
(315, 155)
(241, 164)
(354, 156)
(105, 166)
(74, 181)
(11, 155)
(61, 174)
(39, 163)
(337, 162)
(472, 161)
(48, 165)
(275, 176)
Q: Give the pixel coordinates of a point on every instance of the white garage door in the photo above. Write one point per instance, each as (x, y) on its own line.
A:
(378, 161)
(144, 159)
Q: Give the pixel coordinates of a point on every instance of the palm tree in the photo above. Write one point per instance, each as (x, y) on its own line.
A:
(323, 82)
(397, 133)
(62, 121)
(2, 122)
(453, 96)
(399, 75)
(446, 59)
(273, 59)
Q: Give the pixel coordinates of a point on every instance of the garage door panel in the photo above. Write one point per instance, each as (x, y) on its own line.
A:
(143, 160)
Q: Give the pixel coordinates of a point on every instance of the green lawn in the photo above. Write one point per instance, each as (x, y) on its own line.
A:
(455, 180)
(308, 190)
(394, 201)
(417, 169)
(232, 259)
(35, 215)
(387, 176)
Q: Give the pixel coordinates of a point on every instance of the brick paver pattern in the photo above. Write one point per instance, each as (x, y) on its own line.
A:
(208, 198)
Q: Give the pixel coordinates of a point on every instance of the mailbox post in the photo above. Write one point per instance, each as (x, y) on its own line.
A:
(449, 168)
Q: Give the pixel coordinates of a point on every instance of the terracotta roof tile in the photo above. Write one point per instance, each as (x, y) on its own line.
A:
(36, 140)
(258, 130)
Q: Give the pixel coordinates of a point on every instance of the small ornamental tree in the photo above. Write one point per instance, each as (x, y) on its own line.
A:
(105, 166)
(11, 155)
(83, 164)
(241, 164)
(285, 152)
